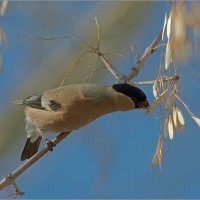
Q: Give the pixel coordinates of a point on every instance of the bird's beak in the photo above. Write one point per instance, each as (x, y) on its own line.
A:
(144, 104)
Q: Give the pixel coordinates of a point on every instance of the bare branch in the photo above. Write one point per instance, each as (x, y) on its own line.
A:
(10, 179)
(139, 64)
(111, 68)
(164, 79)
(57, 38)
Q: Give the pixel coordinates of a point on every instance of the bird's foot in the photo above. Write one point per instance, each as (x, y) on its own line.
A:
(50, 144)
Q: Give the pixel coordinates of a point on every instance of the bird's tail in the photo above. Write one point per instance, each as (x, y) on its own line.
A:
(19, 102)
(30, 148)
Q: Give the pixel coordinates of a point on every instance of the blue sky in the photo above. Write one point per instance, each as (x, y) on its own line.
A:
(111, 157)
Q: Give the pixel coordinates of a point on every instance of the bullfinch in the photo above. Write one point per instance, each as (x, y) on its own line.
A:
(71, 107)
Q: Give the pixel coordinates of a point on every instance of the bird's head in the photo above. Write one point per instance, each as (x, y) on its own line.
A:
(136, 94)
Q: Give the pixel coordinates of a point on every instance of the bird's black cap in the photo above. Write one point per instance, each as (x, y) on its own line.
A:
(136, 94)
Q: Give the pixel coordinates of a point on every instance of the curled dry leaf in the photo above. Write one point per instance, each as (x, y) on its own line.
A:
(174, 113)
(161, 83)
(180, 22)
(156, 101)
(155, 88)
(168, 53)
(180, 118)
(169, 24)
(157, 158)
(196, 119)
(170, 127)
(168, 56)
(164, 25)
(166, 132)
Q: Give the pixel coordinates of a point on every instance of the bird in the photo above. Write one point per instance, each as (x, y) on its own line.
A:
(68, 108)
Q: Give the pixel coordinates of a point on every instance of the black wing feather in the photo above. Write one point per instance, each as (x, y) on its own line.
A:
(34, 101)
(30, 148)
(54, 105)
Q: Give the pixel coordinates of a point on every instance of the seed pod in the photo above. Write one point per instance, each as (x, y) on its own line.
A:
(175, 116)
(170, 127)
(180, 118)
(157, 158)
(166, 132)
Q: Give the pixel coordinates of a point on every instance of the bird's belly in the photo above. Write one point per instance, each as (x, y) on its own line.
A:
(70, 123)
(65, 121)
(73, 122)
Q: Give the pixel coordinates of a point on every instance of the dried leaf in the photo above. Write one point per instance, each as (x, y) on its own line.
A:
(169, 24)
(156, 101)
(170, 127)
(180, 22)
(180, 118)
(168, 56)
(166, 132)
(196, 119)
(161, 83)
(170, 101)
(3, 7)
(157, 158)
(164, 25)
(155, 88)
(175, 116)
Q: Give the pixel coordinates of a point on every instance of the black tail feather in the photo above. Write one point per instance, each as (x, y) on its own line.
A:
(30, 148)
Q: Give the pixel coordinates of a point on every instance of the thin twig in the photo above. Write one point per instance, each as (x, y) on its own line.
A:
(139, 64)
(115, 54)
(111, 68)
(108, 65)
(89, 76)
(165, 79)
(10, 179)
(73, 67)
(184, 104)
(57, 38)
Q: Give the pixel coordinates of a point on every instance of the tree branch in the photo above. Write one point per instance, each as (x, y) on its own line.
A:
(139, 64)
(10, 178)
(111, 68)
(164, 79)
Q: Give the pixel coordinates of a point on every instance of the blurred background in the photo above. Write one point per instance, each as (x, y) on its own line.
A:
(111, 157)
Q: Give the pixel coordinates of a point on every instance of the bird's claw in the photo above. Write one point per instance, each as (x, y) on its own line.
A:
(50, 145)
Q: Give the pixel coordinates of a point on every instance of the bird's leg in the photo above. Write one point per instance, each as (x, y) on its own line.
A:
(49, 143)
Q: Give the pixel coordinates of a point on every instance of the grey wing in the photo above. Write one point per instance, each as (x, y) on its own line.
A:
(37, 101)
(33, 101)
